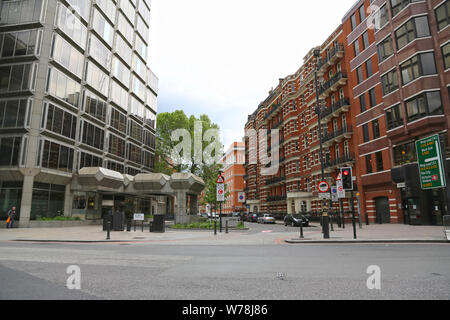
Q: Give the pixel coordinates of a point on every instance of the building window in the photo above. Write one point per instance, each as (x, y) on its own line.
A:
(103, 28)
(425, 104)
(9, 151)
(109, 8)
(92, 135)
(443, 15)
(57, 157)
(24, 11)
(362, 102)
(376, 129)
(372, 97)
(366, 42)
(66, 55)
(420, 65)
(75, 30)
(399, 5)
(115, 166)
(389, 82)
(414, 28)
(89, 161)
(353, 21)
(135, 131)
(13, 113)
(118, 120)
(47, 200)
(356, 47)
(61, 122)
(97, 79)
(379, 161)
(100, 52)
(362, 13)
(63, 87)
(394, 117)
(404, 154)
(369, 168)
(18, 77)
(94, 105)
(369, 69)
(134, 153)
(446, 55)
(383, 18)
(18, 44)
(385, 49)
(359, 72)
(366, 135)
(116, 146)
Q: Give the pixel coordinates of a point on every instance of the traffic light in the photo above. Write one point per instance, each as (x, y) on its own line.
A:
(347, 178)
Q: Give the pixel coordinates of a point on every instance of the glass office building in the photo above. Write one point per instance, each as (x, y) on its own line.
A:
(75, 92)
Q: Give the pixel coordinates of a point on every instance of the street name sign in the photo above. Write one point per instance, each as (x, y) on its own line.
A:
(431, 166)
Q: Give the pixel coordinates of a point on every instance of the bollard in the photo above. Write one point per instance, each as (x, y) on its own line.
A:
(301, 230)
(215, 227)
(331, 222)
(108, 231)
(226, 226)
(128, 225)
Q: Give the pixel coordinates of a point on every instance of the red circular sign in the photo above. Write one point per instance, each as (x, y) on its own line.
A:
(323, 187)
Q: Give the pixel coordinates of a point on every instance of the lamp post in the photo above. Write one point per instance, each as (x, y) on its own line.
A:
(325, 218)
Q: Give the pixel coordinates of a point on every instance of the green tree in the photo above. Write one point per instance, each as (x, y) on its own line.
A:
(166, 124)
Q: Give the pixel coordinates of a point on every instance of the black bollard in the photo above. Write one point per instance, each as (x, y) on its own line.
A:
(215, 227)
(301, 230)
(108, 231)
(226, 226)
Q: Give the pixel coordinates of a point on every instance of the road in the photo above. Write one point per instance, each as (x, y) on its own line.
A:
(203, 271)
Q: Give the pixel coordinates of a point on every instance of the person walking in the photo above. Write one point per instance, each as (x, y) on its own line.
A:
(11, 216)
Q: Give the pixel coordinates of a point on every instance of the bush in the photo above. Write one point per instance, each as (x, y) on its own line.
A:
(59, 218)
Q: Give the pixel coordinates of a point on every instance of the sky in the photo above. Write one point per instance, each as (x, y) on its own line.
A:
(221, 58)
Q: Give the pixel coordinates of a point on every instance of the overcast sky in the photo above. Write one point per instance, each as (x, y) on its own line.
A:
(221, 58)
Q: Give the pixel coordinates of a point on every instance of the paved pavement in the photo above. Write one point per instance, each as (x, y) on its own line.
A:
(257, 234)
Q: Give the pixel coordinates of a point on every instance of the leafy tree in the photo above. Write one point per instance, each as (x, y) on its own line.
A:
(166, 124)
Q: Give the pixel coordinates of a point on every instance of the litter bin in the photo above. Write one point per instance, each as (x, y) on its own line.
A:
(158, 224)
(118, 221)
(107, 218)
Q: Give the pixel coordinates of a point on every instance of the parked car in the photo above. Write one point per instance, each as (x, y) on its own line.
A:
(244, 216)
(267, 218)
(252, 217)
(290, 220)
(236, 215)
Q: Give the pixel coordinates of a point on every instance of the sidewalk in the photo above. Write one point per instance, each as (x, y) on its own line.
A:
(392, 233)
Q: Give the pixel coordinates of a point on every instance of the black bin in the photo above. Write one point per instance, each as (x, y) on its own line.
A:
(158, 224)
(107, 218)
(118, 221)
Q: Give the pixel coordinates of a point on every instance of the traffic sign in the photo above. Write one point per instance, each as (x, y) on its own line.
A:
(323, 187)
(241, 197)
(220, 192)
(334, 195)
(431, 165)
(220, 179)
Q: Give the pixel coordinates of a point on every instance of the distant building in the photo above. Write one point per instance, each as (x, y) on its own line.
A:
(233, 162)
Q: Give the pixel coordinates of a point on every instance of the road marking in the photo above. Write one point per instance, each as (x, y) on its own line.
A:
(267, 231)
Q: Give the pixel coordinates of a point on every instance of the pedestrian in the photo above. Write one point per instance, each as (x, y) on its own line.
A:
(11, 215)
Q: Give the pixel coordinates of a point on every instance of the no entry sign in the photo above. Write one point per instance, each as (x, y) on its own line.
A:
(323, 187)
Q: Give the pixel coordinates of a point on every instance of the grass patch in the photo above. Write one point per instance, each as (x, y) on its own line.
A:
(209, 225)
(60, 218)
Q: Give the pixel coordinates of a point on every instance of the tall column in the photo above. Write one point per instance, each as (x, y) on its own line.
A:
(68, 199)
(25, 205)
(194, 204)
(181, 214)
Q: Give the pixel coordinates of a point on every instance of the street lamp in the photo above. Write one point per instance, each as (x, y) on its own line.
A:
(325, 218)
(220, 204)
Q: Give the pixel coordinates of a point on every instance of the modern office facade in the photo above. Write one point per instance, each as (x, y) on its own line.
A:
(75, 92)
(389, 76)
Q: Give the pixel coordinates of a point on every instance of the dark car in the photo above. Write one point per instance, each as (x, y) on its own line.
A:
(290, 220)
(253, 217)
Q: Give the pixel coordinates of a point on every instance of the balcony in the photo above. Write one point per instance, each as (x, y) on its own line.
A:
(337, 136)
(339, 79)
(276, 198)
(275, 180)
(347, 159)
(335, 109)
(275, 107)
(336, 53)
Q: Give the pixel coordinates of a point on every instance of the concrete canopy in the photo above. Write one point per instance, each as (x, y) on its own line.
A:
(100, 177)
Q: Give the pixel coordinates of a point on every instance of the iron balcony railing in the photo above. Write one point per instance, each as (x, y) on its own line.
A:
(335, 134)
(336, 78)
(276, 198)
(335, 107)
(274, 108)
(331, 54)
(341, 160)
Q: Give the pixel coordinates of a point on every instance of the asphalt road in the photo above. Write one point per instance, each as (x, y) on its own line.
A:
(260, 272)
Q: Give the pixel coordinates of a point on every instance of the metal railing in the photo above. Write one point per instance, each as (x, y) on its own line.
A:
(335, 134)
(331, 54)
(336, 78)
(336, 162)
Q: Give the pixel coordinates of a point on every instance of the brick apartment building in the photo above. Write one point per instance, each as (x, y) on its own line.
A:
(380, 88)
(233, 172)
